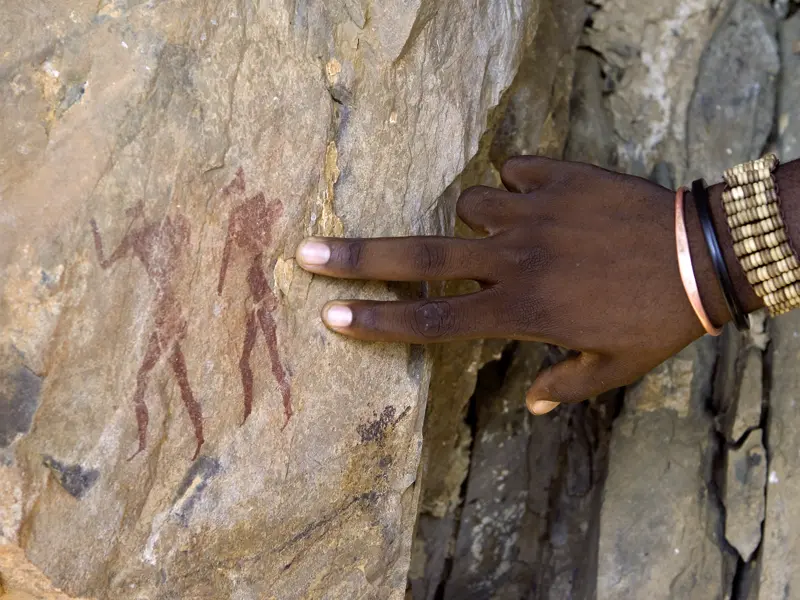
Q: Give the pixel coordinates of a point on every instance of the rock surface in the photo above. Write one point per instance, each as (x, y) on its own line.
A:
(744, 495)
(652, 54)
(22, 580)
(750, 396)
(779, 575)
(527, 526)
(788, 115)
(591, 135)
(138, 138)
(486, 560)
(663, 75)
(659, 518)
(730, 116)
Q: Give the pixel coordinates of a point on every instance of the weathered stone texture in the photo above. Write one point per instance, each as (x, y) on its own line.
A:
(731, 114)
(591, 137)
(779, 574)
(750, 396)
(789, 96)
(527, 526)
(652, 56)
(744, 495)
(659, 521)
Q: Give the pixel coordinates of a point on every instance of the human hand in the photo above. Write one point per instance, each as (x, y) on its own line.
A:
(574, 255)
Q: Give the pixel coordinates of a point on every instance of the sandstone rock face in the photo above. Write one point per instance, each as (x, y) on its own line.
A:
(159, 165)
(168, 394)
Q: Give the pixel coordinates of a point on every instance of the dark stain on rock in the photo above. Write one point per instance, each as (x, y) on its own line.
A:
(72, 95)
(745, 464)
(203, 470)
(376, 430)
(20, 392)
(75, 479)
(368, 498)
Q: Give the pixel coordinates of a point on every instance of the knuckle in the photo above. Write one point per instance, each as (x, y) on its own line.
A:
(429, 258)
(433, 319)
(369, 317)
(350, 254)
(531, 260)
(528, 315)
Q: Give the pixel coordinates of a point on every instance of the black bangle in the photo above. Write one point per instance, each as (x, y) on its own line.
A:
(700, 195)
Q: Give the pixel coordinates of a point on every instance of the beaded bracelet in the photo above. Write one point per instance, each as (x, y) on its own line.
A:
(761, 243)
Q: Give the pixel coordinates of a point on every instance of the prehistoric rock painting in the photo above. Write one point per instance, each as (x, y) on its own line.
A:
(158, 245)
(250, 229)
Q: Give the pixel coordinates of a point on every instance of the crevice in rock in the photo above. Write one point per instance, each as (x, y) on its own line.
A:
(591, 8)
(716, 473)
(766, 374)
(745, 575)
(491, 378)
(595, 51)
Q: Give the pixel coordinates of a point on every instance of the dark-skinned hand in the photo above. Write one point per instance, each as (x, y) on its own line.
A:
(574, 255)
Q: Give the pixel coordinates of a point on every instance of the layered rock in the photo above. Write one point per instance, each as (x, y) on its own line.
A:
(659, 521)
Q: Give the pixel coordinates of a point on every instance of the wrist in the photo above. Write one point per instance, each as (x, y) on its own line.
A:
(707, 278)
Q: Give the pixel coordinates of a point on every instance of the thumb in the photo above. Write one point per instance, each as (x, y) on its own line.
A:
(572, 380)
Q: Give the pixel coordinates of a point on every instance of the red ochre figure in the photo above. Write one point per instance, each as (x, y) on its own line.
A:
(158, 245)
(250, 229)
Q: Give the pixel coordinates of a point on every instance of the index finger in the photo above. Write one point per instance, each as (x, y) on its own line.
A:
(421, 258)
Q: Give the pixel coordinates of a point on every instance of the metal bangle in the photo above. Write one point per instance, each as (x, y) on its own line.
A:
(700, 194)
(686, 268)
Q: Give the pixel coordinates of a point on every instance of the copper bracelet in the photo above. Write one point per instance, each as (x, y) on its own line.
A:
(686, 268)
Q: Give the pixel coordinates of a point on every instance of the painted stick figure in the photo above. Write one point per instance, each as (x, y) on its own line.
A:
(158, 245)
(250, 229)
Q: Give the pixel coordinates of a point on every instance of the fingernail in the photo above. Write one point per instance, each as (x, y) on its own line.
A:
(311, 252)
(541, 407)
(338, 315)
